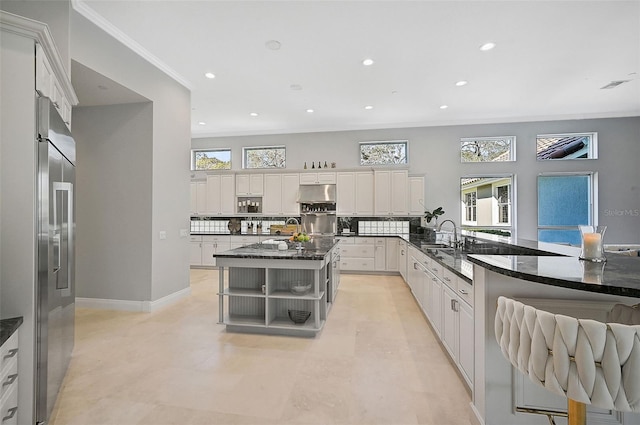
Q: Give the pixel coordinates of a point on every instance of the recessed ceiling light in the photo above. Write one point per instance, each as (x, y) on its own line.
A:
(101, 87)
(443, 106)
(210, 75)
(461, 83)
(367, 62)
(368, 107)
(202, 123)
(310, 111)
(254, 114)
(487, 46)
(295, 87)
(273, 45)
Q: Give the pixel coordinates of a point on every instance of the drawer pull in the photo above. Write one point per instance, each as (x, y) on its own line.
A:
(11, 353)
(10, 413)
(447, 279)
(463, 291)
(10, 380)
(435, 269)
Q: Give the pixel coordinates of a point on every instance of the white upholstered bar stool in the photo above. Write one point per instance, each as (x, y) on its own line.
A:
(587, 361)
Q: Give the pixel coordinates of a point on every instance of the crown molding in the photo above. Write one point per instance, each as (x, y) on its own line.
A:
(40, 33)
(85, 10)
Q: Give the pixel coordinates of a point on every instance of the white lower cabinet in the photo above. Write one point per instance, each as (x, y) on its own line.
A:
(195, 251)
(391, 254)
(447, 301)
(203, 247)
(9, 379)
(402, 258)
(380, 254)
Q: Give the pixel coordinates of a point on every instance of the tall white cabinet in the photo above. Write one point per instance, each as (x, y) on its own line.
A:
(220, 196)
(354, 193)
(26, 46)
(281, 194)
(391, 192)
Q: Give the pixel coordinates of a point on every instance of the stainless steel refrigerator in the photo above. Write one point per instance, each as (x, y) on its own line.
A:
(55, 289)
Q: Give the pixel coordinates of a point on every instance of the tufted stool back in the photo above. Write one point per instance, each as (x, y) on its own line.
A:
(585, 360)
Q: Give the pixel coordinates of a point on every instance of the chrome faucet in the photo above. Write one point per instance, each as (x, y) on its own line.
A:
(455, 231)
(295, 220)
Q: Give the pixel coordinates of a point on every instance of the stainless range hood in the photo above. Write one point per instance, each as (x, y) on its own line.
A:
(317, 194)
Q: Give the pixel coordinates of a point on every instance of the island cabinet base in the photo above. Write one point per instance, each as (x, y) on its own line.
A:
(283, 297)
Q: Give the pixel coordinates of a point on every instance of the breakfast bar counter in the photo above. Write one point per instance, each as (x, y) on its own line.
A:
(272, 291)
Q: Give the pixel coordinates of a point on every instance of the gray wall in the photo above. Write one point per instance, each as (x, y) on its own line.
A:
(169, 153)
(55, 13)
(434, 152)
(113, 191)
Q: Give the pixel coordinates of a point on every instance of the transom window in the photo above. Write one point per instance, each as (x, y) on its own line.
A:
(211, 159)
(488, 149)
(264, 157)
(383, 152)
(567, 146)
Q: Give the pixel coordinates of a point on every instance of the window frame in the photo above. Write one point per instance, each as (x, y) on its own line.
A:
(247, 149)
(507, 204)
(405, 142)
(195, 151)
(592, 207)
(592, 149)
(510, 139)
(497, 181)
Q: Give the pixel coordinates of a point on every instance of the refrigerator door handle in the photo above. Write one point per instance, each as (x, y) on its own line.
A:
(62, 229)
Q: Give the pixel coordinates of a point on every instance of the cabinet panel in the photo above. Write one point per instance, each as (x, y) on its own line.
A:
(416, 195)
(290, 188)
(320, 177)
(449, 332)
(227, 198)
(466, 349)
(364, 192)
(195, 253)
(364, 264)
(392, 255)
(382, 192)
(399, 192)
(380, 255)
(351, 251)
(435, 304)
(402, 258)
(213, 194)
(272, 200)
(345, 193)
(249, 184)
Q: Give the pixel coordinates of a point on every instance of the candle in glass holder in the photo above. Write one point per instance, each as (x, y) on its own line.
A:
(592, 245)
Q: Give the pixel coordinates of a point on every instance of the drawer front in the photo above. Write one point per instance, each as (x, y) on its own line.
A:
(245, 240)
(9, 378)
(450, 279)
(465, 291)
(347, 241)
(195, 238)
(356, 263)
(212, 238)
(364, 241)
(358, 251)
(436, 268)
(9, 407)
(8, 352)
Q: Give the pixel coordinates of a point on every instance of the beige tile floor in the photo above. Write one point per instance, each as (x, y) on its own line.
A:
(376, 362)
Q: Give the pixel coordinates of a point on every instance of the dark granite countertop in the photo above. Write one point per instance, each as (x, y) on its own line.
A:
(310, 251)
(619, 275)
(8, 328)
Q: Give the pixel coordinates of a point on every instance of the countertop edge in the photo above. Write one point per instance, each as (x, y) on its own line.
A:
(8, 327)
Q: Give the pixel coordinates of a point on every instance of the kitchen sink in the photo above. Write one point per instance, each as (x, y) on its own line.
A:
(435, 246)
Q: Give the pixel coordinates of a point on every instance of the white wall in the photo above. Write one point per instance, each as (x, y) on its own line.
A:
(434, 152)
(113, 192)
(169, 189)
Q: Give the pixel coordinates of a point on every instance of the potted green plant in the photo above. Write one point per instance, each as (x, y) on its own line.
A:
(433, 215)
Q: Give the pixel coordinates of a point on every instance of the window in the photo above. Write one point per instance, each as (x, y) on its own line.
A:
(264, 157)
(487, 203)
(503, 195)
(488, 149)
(566, 146)
(564, 202)
(211, 159)
(383, 153)
(470, 206)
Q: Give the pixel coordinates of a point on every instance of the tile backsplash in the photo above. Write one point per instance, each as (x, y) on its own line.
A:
(383, 227)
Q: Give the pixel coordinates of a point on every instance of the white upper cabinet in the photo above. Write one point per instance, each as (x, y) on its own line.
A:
(220, 197)
(391, 192)
(281, 194)
(319, 177)
(48, 85)
(198, 197)
(354, 193)
(416, 195)
(249, 184)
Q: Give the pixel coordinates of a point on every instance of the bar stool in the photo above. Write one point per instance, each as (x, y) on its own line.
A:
(587, 361)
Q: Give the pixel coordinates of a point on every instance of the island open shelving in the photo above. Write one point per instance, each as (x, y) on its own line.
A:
(255, 292)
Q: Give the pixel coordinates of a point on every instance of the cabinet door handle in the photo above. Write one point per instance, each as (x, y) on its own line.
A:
(454, 305)
(415, 266)
(11, 353)
(435, 269)
(447, 279)
(402, 252)
(10, 413)
(463, 291)
(10, 380)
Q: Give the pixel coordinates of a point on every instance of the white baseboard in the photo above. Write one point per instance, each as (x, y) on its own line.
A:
(126, 305)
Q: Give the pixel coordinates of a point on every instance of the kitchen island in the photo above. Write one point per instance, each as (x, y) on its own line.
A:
(272, 291)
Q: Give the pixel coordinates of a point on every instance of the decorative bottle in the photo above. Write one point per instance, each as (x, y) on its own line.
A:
(305, 165)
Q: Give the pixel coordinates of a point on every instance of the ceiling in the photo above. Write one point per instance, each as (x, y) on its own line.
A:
(551, 60)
